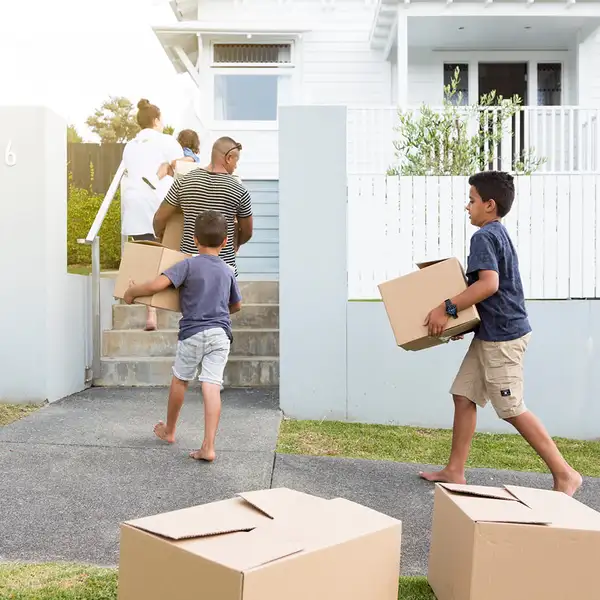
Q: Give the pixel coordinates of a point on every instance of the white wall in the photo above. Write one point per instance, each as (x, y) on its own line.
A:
(589, 80)
(334, 65)
(43, 323)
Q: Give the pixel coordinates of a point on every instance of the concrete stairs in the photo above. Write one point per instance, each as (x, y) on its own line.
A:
(133, 357)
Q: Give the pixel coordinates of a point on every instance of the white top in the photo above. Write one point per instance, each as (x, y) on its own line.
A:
(142, 157)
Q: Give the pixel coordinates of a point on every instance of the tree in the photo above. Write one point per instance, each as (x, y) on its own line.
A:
(73, 135)
(169, 130)
(114, 121)
(458, 140)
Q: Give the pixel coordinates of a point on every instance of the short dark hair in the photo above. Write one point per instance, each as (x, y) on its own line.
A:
(495, 185)
(210, 228)
(188, 138)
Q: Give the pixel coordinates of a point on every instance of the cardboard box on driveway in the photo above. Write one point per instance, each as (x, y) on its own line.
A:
(409, 299)
(512, 543)
(275, 544)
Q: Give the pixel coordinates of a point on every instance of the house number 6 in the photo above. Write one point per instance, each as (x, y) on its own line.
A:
(10, 158)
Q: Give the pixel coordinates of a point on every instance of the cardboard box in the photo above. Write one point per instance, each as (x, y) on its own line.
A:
(183, 167)
(142, 262)
(173, 232)
(266, 545)
(409, 299)
(496, 543)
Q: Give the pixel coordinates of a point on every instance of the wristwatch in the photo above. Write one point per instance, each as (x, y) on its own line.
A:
(451, 309)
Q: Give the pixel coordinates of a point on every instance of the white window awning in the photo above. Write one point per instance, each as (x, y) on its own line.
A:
(184, 35)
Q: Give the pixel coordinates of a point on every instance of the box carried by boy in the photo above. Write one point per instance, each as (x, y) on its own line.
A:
(408, 299)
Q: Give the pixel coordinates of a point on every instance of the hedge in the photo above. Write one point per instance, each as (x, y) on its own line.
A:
(82, 207)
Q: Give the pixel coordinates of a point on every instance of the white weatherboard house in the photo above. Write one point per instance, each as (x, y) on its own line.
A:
(247, 57)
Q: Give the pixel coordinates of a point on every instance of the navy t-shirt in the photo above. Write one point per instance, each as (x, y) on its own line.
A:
(503, 315)
(207, 288)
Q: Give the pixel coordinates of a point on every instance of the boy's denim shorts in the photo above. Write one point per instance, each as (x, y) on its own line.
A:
(206, 351)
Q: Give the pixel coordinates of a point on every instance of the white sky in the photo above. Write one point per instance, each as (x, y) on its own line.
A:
(71, 55)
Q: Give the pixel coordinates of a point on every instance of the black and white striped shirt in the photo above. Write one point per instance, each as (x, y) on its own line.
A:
(201, 190)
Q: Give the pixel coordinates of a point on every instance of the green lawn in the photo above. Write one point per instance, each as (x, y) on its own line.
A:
(79, 582)
(425, 446)
(13, 412)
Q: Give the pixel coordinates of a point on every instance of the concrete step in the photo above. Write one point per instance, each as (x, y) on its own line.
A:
(261, 316)
(131, 371)
(259, 292)
(132, 342)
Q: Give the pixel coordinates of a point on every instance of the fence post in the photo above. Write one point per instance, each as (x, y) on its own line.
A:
(313, 261)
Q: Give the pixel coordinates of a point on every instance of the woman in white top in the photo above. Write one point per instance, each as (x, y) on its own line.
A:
(148, 161)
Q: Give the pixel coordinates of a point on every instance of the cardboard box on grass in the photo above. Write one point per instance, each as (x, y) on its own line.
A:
(513, 542)
(409, 299)
(275, 544)
(142, 262)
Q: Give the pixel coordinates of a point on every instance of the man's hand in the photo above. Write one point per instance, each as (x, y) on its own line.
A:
(437, 320)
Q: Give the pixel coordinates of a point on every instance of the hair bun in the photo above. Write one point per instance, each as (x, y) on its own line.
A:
(143, 103)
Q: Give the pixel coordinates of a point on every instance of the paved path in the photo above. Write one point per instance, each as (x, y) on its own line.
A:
(70, 473)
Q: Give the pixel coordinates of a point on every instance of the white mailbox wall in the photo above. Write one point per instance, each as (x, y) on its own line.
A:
(43, 310)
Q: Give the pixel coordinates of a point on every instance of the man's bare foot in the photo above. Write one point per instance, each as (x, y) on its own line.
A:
(160, 431)
(202, 454)
(443, 476)
(568, 483)
(150, 326)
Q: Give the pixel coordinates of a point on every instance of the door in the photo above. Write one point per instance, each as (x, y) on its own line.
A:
(507, 79)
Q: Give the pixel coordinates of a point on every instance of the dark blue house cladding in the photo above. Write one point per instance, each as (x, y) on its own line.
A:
(259, 258)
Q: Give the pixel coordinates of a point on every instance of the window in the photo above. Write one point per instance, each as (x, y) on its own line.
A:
(463, 82)
(251, 80)
(549, 84)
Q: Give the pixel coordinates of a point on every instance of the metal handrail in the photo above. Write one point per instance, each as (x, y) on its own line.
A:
(92, 239)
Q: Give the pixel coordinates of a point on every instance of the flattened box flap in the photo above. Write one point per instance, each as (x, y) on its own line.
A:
(250, 550)
(200, 521)
(282, 502)
(565, 512)
(494, 505)
(479, 490)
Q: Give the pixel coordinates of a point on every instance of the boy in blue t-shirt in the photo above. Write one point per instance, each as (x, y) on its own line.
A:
(493, 366)
(209, 294)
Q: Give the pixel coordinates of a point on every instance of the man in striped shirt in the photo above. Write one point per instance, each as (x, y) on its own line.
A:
(211, 189)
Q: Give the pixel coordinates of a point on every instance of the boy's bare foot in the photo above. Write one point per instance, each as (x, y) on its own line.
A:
(202, 454)
(443, 476)
(160, 431)
(568, 483)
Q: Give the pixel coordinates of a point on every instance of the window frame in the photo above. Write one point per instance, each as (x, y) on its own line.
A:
(280, 69)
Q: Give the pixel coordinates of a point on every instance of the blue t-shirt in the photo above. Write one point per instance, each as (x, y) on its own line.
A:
(503, 315)
(192, 154)
(207, 286)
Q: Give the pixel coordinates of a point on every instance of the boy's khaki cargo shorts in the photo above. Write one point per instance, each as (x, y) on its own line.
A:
(493, 371)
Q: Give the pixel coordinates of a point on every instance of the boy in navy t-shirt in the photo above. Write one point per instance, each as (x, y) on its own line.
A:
(492, 369)
(208, 294)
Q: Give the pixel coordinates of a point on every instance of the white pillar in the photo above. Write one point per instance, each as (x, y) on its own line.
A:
(43, 311)
(402, 58)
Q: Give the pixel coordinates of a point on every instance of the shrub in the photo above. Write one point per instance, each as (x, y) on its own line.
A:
(82, 207)
(442, 142)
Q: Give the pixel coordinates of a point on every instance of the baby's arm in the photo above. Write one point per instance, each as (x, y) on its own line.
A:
(146, 289)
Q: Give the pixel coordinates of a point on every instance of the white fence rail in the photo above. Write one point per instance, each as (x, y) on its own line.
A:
(568, 137)
(395, 222)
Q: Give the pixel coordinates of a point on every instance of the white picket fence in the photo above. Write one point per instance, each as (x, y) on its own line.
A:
(567, 137)
(395, 222)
